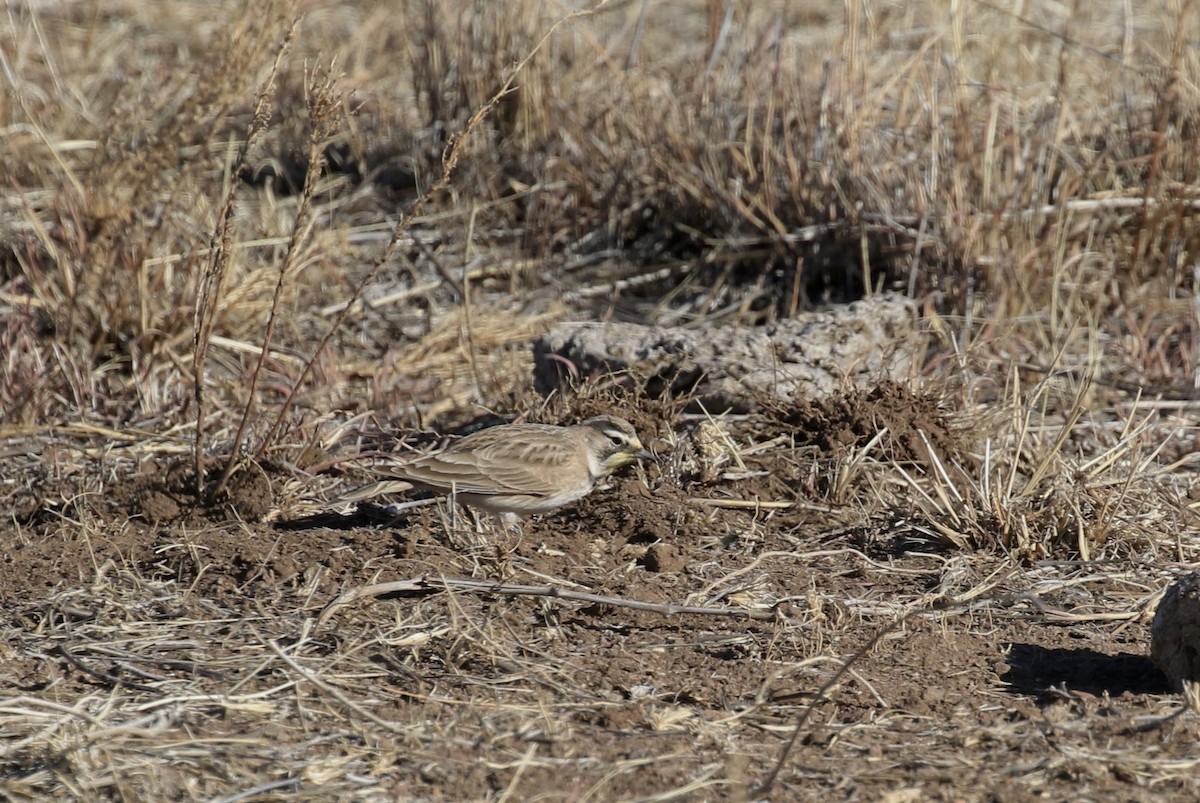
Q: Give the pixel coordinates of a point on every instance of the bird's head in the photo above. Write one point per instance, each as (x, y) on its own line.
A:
(612, 443)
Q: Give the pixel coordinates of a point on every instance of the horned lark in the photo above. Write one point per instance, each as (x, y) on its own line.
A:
(519, 469)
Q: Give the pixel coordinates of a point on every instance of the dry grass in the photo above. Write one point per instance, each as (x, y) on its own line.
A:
(235, 231)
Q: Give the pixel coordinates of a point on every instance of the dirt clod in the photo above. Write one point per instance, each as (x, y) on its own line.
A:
(911, 424)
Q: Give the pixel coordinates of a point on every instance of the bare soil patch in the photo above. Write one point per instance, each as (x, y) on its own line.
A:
(466, 696)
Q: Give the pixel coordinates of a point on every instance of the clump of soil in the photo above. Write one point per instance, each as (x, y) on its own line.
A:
(164, 494)
(913, 423)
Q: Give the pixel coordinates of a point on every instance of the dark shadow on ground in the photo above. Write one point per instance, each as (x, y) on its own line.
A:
(367, 515)
(1035, 669)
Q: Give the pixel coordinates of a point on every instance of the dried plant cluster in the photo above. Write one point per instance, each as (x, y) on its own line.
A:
(246, 247)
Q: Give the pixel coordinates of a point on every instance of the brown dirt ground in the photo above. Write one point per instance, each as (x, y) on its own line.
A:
(199, 628)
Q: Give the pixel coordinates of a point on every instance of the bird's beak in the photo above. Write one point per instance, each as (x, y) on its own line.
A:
(643, 454)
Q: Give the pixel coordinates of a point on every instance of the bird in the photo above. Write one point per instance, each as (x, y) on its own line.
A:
(516, 470)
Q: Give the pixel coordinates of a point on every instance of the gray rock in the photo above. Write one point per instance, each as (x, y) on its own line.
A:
(734, 367)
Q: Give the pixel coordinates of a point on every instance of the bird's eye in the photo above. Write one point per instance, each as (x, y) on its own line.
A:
(616, 438)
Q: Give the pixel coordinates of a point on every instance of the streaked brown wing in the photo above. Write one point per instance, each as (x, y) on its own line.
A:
(516, 459)
(508, 477)
(446, 472)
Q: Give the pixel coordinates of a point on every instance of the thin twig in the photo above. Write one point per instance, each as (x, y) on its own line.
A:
(432, 584)
(291, 781)
(742, 504)
(105, 676)
(820, 698)
(208, 294)
(321, 103)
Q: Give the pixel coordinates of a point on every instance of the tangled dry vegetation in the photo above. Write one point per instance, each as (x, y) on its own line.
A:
(249, 248)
